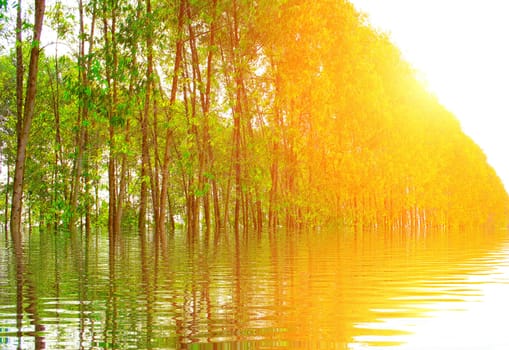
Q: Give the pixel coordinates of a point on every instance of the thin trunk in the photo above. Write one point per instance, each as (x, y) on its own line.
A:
(58, 165)
(227, 197)
(155, 170)
(273, 188)
(83, 111)
(20, 68)
(88, 209)
(189, 182)
(6, 209)
(29, 218)
(160, 227)
(56, 112)
(24, 123)
(88, 185)
(170, 215)
(96, 199)
(197, 84)
(195, 134)
(237, 112)
(205, 153)
(111, 77)
(142, 217)
(217, 209)
(258, 217)
(236, 165)
(116, 203)
(122, 185)
(145, 157)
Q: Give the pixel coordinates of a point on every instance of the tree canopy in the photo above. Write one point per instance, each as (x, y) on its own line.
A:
(233, 114)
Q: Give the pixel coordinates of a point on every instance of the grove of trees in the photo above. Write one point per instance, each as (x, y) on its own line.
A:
(224, 115)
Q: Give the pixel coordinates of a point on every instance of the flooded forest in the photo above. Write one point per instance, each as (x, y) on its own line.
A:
(147, 136)
(225, 116)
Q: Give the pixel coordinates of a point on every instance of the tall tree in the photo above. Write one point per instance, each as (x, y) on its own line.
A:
(25, 113)
(84, 66)
(144, 117)
(163, 193)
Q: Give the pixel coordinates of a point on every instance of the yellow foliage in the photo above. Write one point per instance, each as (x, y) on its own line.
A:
(364, 142)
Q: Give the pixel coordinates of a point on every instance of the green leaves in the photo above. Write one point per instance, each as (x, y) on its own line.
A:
(298, 104)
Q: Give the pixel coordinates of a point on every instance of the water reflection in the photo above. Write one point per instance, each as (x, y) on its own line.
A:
(334, 290)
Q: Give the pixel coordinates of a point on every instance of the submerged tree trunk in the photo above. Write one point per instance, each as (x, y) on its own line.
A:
(6, 209)
(111, 73)
(19, 168)
(26, 114)
(237, 113)
(163, 195)
(83, 111)
(122, 187)
(145, 156)
(59, 163)
(205, 153)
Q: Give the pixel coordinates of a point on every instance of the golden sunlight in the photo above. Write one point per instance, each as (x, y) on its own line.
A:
(460, 50)
(254, 174)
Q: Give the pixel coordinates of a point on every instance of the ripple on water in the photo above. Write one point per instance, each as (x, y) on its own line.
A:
(299, 292)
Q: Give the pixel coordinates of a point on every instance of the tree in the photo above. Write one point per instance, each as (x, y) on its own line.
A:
(25, 112)
(233, 115)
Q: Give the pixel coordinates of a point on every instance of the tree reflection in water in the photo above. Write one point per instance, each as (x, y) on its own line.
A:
(301, 290)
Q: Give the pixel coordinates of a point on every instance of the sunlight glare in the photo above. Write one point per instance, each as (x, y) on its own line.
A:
(461, 49)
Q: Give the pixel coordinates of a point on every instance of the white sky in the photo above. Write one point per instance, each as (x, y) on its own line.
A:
(462, 49)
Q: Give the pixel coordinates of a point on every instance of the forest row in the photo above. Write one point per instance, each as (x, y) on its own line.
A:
(225, 114)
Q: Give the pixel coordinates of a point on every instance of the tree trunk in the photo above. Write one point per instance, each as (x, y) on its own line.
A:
(236, 164)
(205, 154)
(24, 122)
(59, 165)
(189, 92)
(122, 186)
(200, 145)
(142, 216)
(111, 106)
(6, 209)
(237, 112)
(19, 172)
(273, 213)
(145, 157)
(161, 222)
(83, 111)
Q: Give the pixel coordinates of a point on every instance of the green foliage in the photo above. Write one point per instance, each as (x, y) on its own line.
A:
(332, 123)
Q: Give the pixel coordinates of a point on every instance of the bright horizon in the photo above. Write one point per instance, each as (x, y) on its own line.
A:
(461, 50)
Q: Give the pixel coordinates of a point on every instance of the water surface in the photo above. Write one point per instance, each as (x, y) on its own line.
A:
(333, 289)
